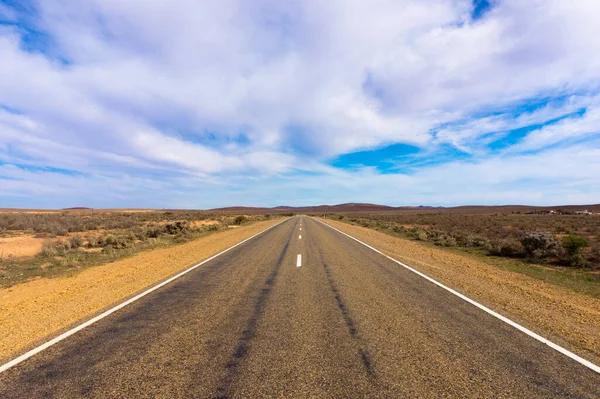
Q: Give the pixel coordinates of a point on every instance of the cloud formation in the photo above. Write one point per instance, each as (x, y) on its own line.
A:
(232, 102)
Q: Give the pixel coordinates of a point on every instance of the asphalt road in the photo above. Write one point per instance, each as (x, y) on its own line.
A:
(348, 323)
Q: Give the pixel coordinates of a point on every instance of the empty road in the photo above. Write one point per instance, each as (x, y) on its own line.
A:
(300, 311)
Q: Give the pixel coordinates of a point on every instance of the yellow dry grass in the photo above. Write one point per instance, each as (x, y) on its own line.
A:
(31, 311)
(199, 223)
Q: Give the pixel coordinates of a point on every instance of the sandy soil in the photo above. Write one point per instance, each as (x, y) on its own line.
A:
(31, 311)
(20, 246)
(566, 317)
(198, 223)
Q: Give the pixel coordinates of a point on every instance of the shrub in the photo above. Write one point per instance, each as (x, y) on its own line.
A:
(240, 219)
(154, 231)
(49, 250)
(141, 234)
(60, 231)
(110, 241)
(505, 247)
(573, 244)
(76, 241)
(539, 244)
(477, 241)
(176, 227)
(450, 242)
(92, 241)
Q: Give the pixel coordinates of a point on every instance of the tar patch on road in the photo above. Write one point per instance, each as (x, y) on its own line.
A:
(350, 324)
(249, 332)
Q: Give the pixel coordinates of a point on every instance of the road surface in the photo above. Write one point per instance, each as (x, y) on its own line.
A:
(300, 311)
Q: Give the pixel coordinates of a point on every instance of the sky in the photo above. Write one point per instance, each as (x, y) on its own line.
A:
(202, 104)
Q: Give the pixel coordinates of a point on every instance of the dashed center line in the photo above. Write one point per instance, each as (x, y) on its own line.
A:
(300, 237)
(299, 261)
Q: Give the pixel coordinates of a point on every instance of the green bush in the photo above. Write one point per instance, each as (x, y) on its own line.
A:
(573, 245)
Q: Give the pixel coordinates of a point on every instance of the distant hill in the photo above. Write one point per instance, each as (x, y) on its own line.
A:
(365, 207)
(349, 207)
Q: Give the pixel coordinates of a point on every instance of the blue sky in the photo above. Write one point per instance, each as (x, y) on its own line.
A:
(193, 104)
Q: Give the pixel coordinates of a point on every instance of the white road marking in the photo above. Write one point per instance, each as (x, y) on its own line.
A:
(88, 323)
(299, 261)
(300, 228)
(508, 321)
(300, 237)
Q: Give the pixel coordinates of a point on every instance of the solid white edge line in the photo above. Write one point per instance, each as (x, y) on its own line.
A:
(299, 261)
(508, 321)
(88, 323)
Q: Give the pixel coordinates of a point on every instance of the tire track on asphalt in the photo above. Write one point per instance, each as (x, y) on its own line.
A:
(350, 324)
(363, 351)
(249, 333)
(123, 334)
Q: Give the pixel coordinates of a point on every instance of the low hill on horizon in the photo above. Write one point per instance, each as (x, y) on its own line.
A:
(367, 207)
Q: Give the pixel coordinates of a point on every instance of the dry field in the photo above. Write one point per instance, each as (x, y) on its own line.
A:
(37, 243)
(499, 234)
(562, 249)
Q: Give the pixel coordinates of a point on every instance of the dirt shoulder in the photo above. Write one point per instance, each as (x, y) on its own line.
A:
(566, 317)
(31, 311)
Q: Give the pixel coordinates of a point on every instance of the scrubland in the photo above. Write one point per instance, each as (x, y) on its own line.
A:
(563, 249)
(46, 244)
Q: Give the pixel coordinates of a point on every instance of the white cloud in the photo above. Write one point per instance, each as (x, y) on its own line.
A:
(564, 130)
(225, 89)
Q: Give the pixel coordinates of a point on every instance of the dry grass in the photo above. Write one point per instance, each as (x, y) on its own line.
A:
(498, 234)
(472, 235)
(69, 241)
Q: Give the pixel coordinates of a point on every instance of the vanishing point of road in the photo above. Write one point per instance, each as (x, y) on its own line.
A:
(299, 311)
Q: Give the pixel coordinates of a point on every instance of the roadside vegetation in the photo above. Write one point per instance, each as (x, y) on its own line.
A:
(557, 248)
(73, 240)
